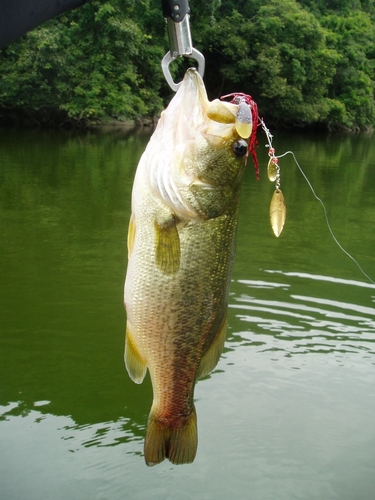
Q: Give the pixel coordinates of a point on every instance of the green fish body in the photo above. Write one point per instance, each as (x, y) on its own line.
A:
(181, 247)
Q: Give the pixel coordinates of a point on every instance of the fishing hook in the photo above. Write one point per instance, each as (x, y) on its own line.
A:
(177, 15)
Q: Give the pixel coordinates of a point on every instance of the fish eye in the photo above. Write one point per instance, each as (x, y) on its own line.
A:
(240, 148)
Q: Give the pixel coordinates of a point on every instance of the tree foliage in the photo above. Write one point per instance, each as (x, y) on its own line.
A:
(94, 62)
(280, 56)
(308, 62)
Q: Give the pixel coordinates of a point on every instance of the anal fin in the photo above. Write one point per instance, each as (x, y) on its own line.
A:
(135, 364)
(212, 355)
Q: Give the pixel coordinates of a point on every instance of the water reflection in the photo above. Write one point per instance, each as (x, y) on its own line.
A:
(111, 433)
(287, 413)
(49, 456)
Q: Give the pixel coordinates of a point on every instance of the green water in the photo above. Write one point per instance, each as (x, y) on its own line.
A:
(289, 411)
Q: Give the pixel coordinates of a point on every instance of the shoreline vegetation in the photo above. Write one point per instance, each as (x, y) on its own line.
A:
(307, 64)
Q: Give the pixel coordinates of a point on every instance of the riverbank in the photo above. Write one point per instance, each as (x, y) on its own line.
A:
(47, 118)
(52, 118)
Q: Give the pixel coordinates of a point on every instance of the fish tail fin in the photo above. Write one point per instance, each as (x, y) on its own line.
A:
(178, 444)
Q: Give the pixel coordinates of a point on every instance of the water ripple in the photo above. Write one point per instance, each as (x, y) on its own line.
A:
(319, 277)
(276, 318)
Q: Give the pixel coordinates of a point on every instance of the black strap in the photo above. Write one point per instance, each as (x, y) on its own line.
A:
(17, 17)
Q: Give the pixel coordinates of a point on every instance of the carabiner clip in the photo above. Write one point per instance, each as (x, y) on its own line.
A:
(168, 58)
(178, 27)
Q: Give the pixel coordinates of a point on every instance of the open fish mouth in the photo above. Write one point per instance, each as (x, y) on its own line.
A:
(190, 112)
(187, 112)
(191, 130)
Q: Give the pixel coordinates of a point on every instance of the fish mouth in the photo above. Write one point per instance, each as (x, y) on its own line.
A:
(192, 87)
(190, 131)
(187, 112)
(215, 120)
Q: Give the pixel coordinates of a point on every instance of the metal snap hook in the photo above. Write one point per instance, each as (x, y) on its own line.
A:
(168, 58)
(178, 27)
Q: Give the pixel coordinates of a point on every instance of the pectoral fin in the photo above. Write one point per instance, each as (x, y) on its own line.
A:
(167, 243)
(134, 363)
(211, 357)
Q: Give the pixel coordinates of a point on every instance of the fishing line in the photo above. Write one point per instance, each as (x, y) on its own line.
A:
(275, 167)
(326, 216)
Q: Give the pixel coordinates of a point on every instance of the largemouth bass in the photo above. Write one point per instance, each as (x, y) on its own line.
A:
(181, 246)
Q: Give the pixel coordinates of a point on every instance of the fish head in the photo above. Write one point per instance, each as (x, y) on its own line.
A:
(197, 153)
